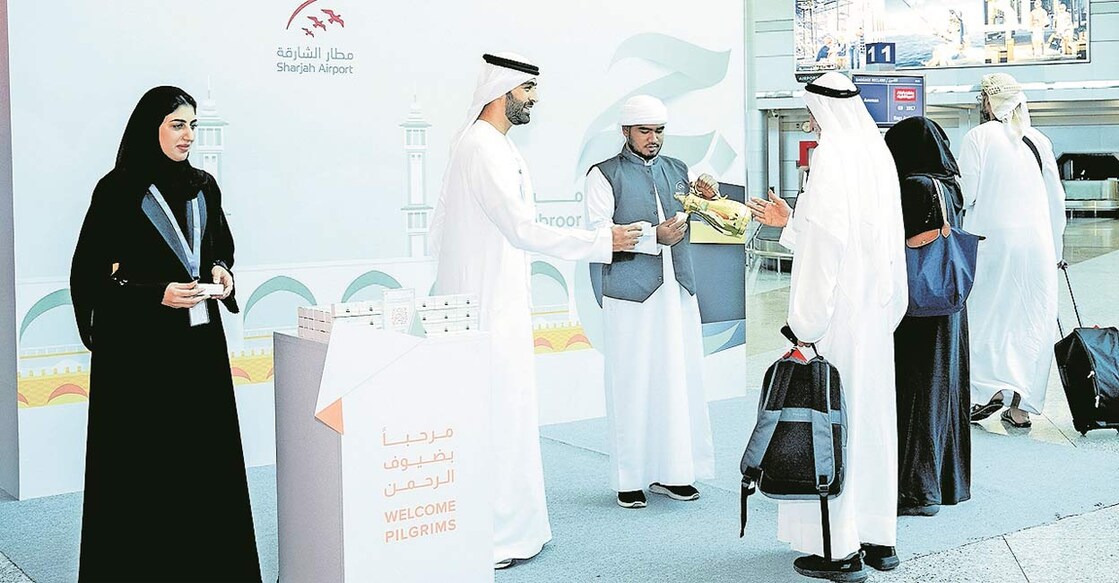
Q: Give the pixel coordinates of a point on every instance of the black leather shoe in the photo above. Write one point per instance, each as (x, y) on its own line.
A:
(849, 569)
(632, 499)
(880, 557)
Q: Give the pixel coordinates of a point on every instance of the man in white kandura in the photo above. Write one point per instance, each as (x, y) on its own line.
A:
(849, 292)
(1014, 197)
(655, 404)
(482, 234)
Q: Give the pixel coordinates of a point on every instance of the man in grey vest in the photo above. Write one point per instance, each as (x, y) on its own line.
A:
(655, 402)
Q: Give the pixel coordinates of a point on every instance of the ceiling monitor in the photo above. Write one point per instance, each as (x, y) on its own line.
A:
(891, 97)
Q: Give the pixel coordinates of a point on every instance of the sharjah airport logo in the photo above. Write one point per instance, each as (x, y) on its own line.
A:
(313, 56)
(313, 21)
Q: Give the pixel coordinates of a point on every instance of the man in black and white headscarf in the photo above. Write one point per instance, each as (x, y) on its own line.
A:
(848, 294)
(483, 233)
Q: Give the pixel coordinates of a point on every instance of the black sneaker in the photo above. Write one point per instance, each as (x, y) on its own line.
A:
(632, 499)
(880, 557)
(849, 569)
(675, 492)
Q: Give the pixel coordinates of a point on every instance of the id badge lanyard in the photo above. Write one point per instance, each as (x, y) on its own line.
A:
(199, 314)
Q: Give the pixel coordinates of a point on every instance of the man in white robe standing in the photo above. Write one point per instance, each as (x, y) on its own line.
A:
(656, 408)
(848, 294)
(1014, 197)
(483, 233)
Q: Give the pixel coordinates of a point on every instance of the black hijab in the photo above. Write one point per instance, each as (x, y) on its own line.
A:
(920, 146)
(141, 160)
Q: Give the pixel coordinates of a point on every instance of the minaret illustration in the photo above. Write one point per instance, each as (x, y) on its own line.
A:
(209, 147)
(209, 139)
(417, 209)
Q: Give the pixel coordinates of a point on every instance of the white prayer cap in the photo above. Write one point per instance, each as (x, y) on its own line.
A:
(1008, 101)
(641, 110)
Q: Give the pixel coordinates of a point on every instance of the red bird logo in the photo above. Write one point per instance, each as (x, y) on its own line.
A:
(316, 23)
(334, 18)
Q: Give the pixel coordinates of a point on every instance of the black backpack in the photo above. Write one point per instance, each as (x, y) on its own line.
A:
(798, 448)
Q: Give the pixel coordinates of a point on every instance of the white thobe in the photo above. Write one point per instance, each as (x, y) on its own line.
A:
(656, 407)
(848, 294)
(488, 230)
(1012, 309)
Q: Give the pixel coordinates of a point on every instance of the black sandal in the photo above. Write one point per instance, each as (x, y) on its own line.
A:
(981, 412)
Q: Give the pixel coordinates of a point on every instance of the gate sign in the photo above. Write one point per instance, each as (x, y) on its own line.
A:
(881, 53)
(891, 98)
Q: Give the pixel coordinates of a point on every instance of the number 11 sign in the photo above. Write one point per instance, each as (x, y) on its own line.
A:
(880, 53)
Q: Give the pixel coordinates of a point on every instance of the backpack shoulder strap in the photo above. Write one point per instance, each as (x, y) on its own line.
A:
(762, 435)
(756, 448)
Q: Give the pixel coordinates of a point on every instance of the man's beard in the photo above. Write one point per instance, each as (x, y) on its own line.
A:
(517, 112)
(640, 152)
(985, 114)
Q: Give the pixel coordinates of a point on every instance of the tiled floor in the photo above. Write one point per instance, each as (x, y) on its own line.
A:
(1025, 523)
(1073, 549)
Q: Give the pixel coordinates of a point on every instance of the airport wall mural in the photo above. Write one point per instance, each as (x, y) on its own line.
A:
(327, 125)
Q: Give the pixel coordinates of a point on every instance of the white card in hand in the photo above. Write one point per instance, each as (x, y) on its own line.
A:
(211, 290)
(647, 242)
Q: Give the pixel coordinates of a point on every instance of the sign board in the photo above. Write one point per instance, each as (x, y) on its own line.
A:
(891, 98)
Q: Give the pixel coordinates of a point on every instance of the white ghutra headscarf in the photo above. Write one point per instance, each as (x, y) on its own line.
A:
(1008, 101)
(852, 186)
(501, 73)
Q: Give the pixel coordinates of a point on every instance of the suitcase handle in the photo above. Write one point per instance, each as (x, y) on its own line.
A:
(1076, 310)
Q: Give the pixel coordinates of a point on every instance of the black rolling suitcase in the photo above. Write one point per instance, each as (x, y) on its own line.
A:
(1088, 360)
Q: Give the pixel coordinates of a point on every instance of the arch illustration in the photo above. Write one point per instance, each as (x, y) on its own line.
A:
(370, 278)
(68, 389)
(49, 302)
(547, 269)
(280, 283)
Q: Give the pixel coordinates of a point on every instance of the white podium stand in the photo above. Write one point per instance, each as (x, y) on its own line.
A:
(382, 457)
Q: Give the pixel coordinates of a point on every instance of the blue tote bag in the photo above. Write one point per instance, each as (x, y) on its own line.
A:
(941, 267)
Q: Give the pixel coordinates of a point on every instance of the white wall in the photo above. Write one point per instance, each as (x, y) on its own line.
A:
(314, 170)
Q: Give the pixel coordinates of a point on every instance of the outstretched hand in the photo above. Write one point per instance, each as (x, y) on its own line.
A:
(774, 212)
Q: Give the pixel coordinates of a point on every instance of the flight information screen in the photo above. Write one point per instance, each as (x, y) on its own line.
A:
(891, 98)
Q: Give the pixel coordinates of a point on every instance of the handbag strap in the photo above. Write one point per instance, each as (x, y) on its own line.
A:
(940, 200)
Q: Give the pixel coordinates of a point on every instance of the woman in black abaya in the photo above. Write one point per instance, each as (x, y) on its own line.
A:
(930, 353)
(166, 497)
